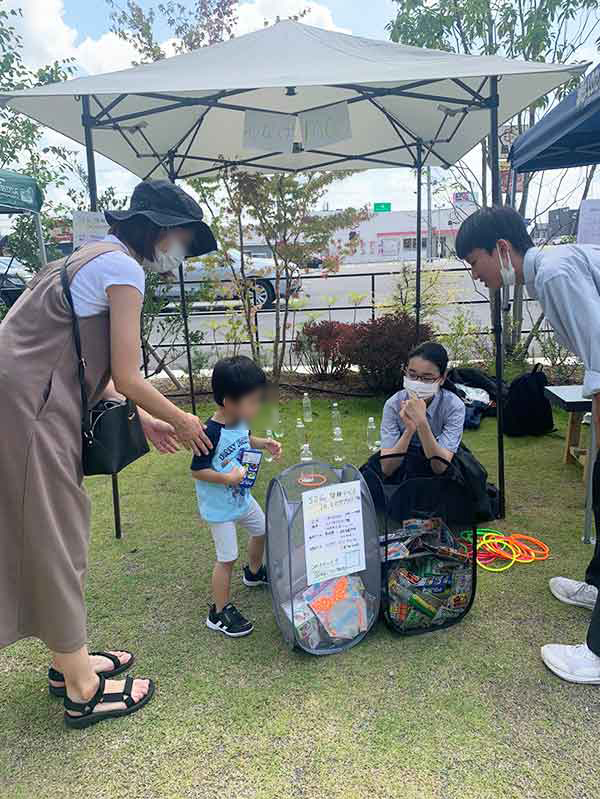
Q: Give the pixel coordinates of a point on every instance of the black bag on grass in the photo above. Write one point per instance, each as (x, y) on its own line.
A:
(527, 411)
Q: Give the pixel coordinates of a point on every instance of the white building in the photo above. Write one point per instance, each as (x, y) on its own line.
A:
(392, 235)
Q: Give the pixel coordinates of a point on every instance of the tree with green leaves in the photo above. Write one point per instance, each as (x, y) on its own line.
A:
(206, 23)
(21, 146)
(280, 210)
(530, 30)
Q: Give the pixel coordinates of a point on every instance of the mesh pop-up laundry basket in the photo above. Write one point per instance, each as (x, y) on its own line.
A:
(428, 537)
(336, 613)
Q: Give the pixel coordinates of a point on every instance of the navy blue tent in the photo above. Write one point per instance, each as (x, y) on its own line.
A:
(569, 135)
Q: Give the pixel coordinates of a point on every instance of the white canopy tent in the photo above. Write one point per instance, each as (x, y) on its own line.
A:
(191, 108)
(333, 101)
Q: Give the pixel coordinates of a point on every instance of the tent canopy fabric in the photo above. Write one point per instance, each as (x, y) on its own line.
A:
(19, 193)
(567, 136)
(185, 115)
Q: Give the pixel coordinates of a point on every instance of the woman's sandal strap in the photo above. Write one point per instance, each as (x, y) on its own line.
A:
(58, 676)
(109, 656)
(122, 696)
(85, 708)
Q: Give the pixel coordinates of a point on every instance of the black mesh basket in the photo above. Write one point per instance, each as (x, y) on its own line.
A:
(428, 538)
(334, 614)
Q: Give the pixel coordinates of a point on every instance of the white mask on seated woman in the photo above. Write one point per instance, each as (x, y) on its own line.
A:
(424, 391)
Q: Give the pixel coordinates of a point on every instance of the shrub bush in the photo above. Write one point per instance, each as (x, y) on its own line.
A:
(380, 348)
(321, 347)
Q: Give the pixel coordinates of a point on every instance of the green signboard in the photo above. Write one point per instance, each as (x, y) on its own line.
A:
(18, 193)
(382, 206)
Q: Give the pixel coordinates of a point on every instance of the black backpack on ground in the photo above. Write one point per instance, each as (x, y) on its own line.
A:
(527, 411)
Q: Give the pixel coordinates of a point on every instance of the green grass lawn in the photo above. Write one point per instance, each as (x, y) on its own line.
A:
(466, 713)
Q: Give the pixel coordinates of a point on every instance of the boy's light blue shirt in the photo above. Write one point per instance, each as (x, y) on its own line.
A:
(216, 502)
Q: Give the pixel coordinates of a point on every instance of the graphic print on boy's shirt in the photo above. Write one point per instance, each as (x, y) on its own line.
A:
(216, 502)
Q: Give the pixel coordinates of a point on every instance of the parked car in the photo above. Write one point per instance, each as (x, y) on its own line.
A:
(12, 280)
(202, 269)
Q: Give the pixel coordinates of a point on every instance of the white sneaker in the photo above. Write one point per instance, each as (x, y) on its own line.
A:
(574, 592)
(572, 663)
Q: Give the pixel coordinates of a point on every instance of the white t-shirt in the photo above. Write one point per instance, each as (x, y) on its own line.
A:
(88, 287)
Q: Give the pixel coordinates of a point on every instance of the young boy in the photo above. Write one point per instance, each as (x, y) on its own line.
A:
(238, 386)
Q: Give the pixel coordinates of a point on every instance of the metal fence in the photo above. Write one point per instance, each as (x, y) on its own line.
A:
(372, 306)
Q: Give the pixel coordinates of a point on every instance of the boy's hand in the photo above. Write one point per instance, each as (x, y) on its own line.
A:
(274, 447)
(235, 476)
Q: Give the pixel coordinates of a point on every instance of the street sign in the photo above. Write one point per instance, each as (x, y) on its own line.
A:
(382, 207)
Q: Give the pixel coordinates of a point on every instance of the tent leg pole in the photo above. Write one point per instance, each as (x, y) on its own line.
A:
(93, 191)
(89, 153)
(184, 310)
(429, 218)
(497, 200)
(419, 239)
(40, 235)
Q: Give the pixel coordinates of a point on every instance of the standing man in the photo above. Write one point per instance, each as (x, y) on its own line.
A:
(565, 280)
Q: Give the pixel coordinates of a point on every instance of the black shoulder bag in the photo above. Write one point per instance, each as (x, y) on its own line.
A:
(111, 431)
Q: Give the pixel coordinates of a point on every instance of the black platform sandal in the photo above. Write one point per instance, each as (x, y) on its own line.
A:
(119, 668)
(86, 709)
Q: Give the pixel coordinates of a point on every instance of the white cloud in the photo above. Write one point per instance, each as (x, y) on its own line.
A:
(47, 38)
(252, 15)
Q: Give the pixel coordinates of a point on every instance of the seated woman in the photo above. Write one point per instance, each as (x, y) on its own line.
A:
(424, 419)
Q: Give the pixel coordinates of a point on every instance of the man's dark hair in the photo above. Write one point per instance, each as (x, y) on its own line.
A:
(233, 378)
(482, 230)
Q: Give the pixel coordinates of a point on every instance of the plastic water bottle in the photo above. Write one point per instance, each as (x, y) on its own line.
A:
(306, 409)
(371, 434)
(268, 456)
(338, 440)
(336, 417)
(305, 453)
(307, 478)
(276, 422)
(300, 433)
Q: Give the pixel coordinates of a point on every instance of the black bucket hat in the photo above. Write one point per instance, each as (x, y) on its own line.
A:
(167, 205)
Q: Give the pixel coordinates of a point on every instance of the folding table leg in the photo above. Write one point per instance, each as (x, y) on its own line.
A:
(589, 536)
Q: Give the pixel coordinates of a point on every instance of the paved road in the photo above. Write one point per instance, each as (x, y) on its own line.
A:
(332, 296)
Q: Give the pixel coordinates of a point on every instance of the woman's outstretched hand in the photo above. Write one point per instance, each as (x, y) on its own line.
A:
(189, 431)
(160, 434)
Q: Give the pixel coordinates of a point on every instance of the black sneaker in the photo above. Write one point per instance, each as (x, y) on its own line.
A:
(251, 580)
(229, 621)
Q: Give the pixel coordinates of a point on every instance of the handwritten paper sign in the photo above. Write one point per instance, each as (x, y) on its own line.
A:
(88, 226)
(588, 227)
(269, 132)
(334, 538)
(325, 126)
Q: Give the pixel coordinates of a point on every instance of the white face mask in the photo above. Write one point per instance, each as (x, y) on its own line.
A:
(167, 261)
(423, 391)
(507, 270)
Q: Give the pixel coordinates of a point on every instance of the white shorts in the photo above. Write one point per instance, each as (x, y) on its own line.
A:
(225, 534)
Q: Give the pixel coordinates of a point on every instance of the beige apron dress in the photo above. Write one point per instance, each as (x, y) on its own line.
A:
(44, 511)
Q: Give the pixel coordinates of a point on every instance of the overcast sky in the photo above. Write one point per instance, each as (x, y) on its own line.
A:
(55, 29)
